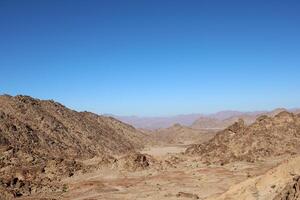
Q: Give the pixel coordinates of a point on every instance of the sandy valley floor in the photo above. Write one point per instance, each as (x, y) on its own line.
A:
(187, 179)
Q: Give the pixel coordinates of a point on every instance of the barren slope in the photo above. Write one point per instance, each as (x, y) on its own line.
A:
(40, 140)
(268, 136)
(49, 126)
(221, 121)
(279, 183)
(178, 134)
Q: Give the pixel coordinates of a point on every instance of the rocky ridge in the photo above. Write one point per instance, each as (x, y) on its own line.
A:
(267, 136)
(178, 134)
(42, 141)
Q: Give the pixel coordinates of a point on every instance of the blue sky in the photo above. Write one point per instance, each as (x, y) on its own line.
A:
(152, 57)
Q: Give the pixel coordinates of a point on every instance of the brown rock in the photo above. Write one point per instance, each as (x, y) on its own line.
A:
(187, 195)
(291, 190)
(43, 140)
(135, 161)
(267, 136)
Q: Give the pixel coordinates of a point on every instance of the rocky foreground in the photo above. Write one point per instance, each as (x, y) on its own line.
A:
(279, 183)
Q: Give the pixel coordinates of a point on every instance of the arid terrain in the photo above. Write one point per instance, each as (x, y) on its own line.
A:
(149, 100)
(48, 151)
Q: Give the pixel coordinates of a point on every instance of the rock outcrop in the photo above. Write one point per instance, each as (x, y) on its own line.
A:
(177, 134)
(279, 183)
(135, 162)
(291, 191)
(267, 136)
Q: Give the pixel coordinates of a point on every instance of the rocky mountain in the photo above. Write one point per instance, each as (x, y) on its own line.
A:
(152, 123)
(218, 124)
(178, 134)
(50, 126)
(41, 140)
(267, 136)
(224, 119)
(206, 121)
(214, 121)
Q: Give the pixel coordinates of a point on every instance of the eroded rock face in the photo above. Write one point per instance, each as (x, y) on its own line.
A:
(278, 183)
(267, 136)
(177, 134)
(135, 161)
(291, 191)
(26, 122)
(5, 195)
(24, 174)
(42, 141)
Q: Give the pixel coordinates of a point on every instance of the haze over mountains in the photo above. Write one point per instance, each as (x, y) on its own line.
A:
(216, 121)
(158, 122)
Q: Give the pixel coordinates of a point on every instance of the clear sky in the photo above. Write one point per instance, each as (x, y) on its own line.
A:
(152, 57)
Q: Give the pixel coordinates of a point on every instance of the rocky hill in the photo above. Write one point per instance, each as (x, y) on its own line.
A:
(152, 123)
(177, 134)
(267, 136)
(41, 140)
(207, 123)
(224, 119)
(52, 128)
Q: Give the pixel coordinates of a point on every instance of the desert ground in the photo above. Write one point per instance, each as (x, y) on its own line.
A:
(175, 177)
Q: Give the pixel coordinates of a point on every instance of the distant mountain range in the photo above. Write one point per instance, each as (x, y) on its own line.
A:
(152, 123)
(217, 120)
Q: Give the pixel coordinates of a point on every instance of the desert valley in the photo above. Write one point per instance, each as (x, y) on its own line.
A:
(48, 151)
(149, 100)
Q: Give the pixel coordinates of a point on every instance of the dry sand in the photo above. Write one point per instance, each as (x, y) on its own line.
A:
(186, 180)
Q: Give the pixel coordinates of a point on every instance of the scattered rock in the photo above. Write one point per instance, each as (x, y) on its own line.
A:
(267, 136)
(187, 195)
(135, 161)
